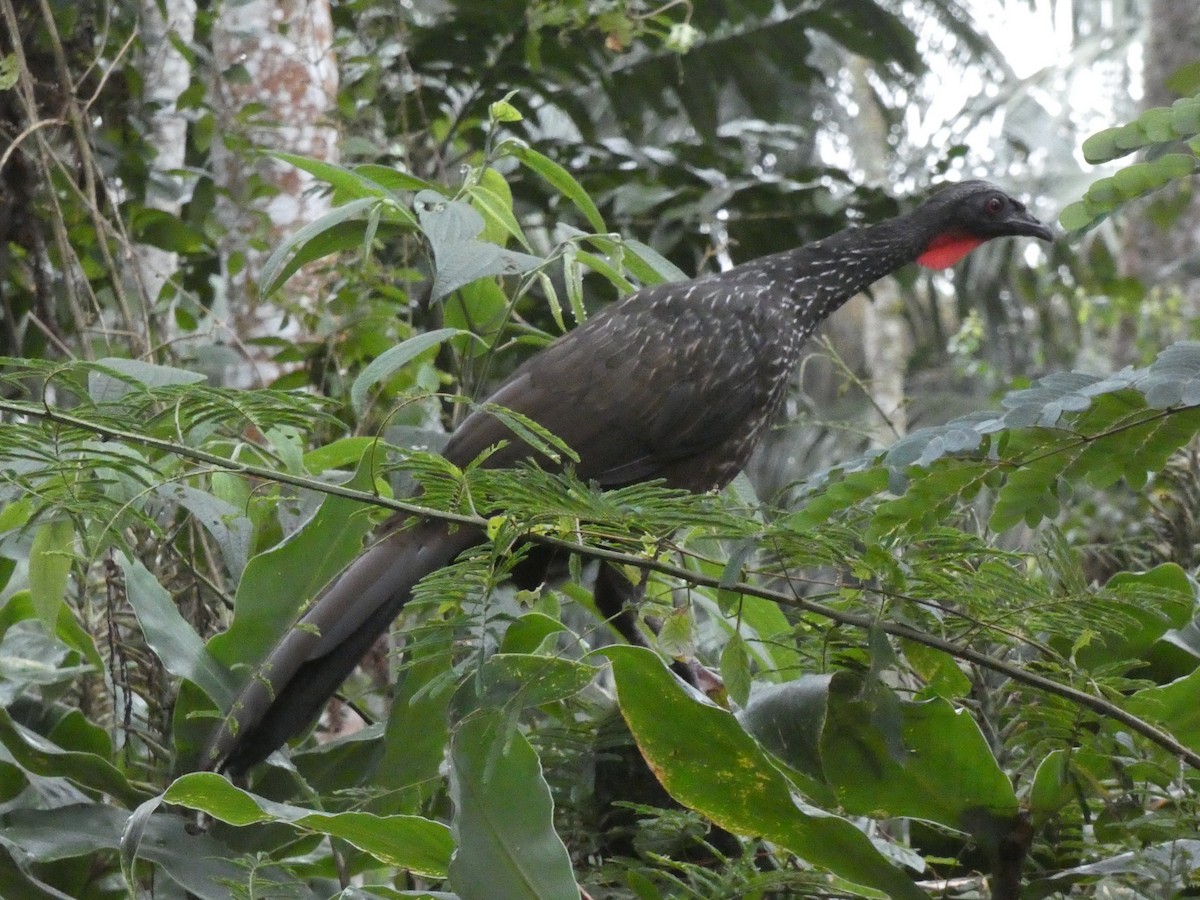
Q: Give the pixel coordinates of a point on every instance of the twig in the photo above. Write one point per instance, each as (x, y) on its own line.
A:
(854, 620)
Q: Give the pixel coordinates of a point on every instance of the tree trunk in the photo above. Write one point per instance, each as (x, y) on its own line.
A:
(1159, 256)
(167, 73)
(276, 84)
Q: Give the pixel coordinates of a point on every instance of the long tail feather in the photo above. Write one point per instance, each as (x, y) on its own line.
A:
(291, 686)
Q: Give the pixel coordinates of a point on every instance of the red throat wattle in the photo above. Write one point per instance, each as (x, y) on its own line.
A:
(947, 249)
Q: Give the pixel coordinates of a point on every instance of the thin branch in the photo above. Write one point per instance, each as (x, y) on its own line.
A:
(1018, 674)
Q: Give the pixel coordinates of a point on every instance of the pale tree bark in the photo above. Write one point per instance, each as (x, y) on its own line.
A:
(1165, 257)
(275, 88)
(166, 74)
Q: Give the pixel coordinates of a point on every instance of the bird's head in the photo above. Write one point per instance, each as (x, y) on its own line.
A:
(959, 218)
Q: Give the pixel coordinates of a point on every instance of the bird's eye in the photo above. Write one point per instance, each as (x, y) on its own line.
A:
(994, 205)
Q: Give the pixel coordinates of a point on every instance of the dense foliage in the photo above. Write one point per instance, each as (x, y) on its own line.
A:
(968, 662)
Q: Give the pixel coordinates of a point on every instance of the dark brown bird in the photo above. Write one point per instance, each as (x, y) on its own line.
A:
(676, 382)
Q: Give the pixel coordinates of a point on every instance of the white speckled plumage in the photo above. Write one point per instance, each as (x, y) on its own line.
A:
(676, 382)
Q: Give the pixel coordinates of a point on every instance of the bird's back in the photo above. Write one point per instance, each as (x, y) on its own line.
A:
(669, 383)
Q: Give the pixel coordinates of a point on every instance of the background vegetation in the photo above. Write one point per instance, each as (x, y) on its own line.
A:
(258, 259)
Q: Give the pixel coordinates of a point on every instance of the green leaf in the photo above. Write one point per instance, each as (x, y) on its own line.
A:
(39, 756)
(787, 719)
(735, 670)
(1102, 147)
(1175, 705)
(939, 670)
(503, 817)
(492, 197)
(940, 769)
(330, 233)
(452, 229)
(197, 864)
(112, 379)
(229, 526)
(50, 560)
(1185, 79)
(344, 453)
(350, 184)
(503, 111)
(413, 843)
(1077, 216)
(558, 178)
(518, 680)
(529, 633)
(1144, 606)
(388, 363)
(31, 658)
(161, 229)
(170, 636)
(663, 268)
(417, 731)
(9, 70)
(276, 587)
(393, 179)
(708, 763)
(1052, 787)
(19, 607)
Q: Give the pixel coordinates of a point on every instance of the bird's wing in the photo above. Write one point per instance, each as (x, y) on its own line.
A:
(633, 391)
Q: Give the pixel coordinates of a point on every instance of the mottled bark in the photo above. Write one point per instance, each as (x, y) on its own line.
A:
(275, 88)
(1160, 256)
(166, 73)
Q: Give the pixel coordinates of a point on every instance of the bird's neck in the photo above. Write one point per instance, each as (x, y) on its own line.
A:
(819, 277)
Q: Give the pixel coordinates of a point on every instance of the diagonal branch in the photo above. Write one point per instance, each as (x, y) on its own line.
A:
(1017, 673)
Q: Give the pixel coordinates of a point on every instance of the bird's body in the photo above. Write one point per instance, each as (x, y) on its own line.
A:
(676, 382)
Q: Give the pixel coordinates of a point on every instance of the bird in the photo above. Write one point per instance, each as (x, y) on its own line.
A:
(676, 382)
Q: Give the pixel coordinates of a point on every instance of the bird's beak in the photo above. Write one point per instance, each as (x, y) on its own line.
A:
(1022, 223)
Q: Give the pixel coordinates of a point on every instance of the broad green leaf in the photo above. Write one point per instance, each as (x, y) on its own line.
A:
(350, 184)
(278, 582)
(735, 669)
(36, 754)
(518, 680)
(112, 379)
(413, 843)
(493, 198)
(1052, 788)
(1143, 607)
(161, 229)
(418, 730)
(336, 230)
(938, 767)
(452, 229)
(19, 607)
(558, 178)
(387, 364)
(529, 633)
(503, 817)
(393, 179)
(32, 658)
(198, 864)
(344, 453)
(50, 561)
(787, 719)
(229, 526)
(664, 269)
(708, 763)
(480, 310)
(940, 671)
(169, 635)
(274, 589)
(771, 641)
(1175, 705)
